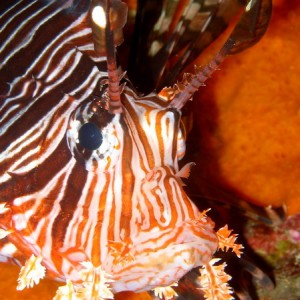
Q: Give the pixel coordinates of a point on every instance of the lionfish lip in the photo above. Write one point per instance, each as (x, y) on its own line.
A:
(163, 258)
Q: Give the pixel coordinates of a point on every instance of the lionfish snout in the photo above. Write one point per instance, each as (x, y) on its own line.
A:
(161, 256)
(170, 238)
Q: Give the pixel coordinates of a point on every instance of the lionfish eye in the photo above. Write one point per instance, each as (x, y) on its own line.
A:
(94, 136)
(90, 136)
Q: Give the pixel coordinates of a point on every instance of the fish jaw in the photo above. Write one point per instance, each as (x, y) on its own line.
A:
(152, 262)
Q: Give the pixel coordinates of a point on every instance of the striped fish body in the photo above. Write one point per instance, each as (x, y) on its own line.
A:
(92, 196)
(120, 207)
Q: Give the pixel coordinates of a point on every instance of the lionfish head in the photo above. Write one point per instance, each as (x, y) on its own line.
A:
(154, 233)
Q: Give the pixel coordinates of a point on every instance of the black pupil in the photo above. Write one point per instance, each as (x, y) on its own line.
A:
(90, 136)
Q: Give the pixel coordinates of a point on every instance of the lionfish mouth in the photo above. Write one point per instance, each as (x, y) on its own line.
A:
(160, 258)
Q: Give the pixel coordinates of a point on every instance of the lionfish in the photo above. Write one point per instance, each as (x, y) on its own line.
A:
(90, 185)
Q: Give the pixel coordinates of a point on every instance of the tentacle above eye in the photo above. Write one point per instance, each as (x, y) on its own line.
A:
(108, 18)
